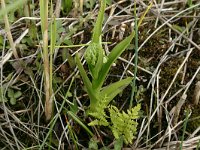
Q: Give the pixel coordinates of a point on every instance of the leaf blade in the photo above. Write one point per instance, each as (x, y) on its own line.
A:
(114, 89)
(115, 53)
(87, 83)
(98, 25)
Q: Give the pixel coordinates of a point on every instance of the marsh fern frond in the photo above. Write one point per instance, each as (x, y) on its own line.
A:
(124, 124)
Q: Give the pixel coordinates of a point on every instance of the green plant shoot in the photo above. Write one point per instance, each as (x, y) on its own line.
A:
(100, 96)
(99, 69)
(13, 96)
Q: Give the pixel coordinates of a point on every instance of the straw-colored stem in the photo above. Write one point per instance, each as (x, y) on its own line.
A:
(7, 28)
(81, 6)
(44, 26)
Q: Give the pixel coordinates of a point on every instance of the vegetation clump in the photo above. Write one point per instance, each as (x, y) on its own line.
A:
(144, 53)
(100, 97)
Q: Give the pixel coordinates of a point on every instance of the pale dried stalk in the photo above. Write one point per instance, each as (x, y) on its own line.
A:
(81, 6)
(8, 32)
(58, 8)
(44, 25)
(177, 109)
(48, 101)
(196, 93)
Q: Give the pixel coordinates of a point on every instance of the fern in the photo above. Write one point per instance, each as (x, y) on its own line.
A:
(100, 114)
(124, 124)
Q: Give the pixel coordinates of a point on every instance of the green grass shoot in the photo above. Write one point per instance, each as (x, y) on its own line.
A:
(99, 69)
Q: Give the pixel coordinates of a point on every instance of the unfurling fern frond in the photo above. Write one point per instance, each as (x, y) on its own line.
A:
(124, 124)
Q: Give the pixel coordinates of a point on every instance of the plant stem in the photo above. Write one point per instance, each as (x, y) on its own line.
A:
(136, 59)
(184, 128)
(55, 118)
(44, 26)
(198, 145)
(7, 28)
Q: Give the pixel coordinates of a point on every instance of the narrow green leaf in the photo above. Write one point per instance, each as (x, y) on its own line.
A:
(52, 47)
(42, 11)
(79, 122)
(53, 34)
(98, 25)
(184, 127)
(71, 62)
(189, 2)
(179, 28)
(74, 107)
(133, 91)
(198, 145)
(114, 89)
(82, 72)
(67, 5)
(109, 2)
(115, 53)
(87, 83)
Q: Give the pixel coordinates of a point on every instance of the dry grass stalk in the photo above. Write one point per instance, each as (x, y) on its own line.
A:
(196, 93)
(177, 109)
(8, 32)
(44, 21)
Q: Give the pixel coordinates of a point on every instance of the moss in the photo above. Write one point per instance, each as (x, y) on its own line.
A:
(168, 70)
(194, 121)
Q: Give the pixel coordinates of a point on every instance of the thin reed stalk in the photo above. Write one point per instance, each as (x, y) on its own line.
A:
(136, 58)
(44, 26)
(7, 28)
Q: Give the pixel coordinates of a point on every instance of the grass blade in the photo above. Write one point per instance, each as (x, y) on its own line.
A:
(136, 59)
(79, 122)
(184, 127)
(52, 47)
(144, 14)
